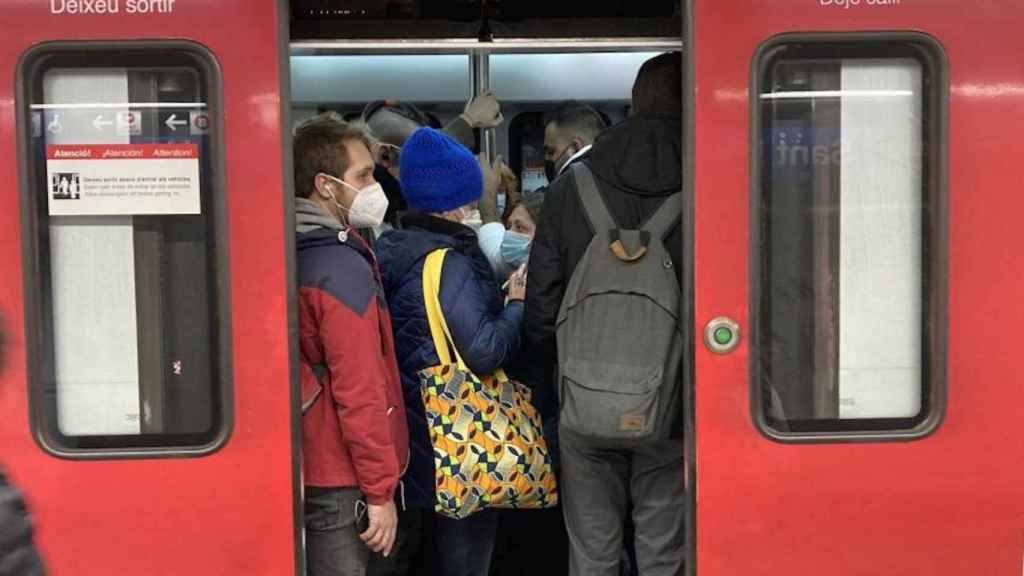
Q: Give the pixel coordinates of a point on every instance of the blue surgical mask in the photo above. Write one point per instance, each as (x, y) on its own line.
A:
(515, 249)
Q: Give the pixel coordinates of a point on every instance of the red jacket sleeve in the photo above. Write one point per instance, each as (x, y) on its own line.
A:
(357, 365)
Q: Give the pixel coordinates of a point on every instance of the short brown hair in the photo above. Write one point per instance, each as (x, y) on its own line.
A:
(318, 145)
(659, 86)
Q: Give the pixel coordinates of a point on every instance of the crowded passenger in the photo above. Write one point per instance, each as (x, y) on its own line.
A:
(529, 541)
(391, 123)
(355, 440)
(569, 133)
(520, 225)
(630, 180)
(505, 239)
(441, 180)
(18, 554)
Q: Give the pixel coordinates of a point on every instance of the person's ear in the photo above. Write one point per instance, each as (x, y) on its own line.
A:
(321, 185)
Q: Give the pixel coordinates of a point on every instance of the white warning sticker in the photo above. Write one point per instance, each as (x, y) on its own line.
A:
(122, 179)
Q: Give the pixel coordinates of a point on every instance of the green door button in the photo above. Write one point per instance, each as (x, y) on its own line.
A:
(722, 335)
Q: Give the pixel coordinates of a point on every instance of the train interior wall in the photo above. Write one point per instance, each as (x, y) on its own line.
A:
(527, 86)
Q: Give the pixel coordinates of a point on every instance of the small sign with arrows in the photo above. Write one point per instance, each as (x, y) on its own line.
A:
(173, 122)
(100, 122)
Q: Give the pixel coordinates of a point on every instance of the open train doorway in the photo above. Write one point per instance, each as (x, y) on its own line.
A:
(430, 82)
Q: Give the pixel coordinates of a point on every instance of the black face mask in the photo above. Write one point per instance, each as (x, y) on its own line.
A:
(551, 166)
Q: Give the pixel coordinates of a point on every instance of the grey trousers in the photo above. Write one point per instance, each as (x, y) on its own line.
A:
(600, 482)
(333, 546)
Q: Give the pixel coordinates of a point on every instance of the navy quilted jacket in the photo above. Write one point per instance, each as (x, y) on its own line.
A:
(485, 331)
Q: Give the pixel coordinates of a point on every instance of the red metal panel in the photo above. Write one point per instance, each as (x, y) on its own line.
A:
(950, 504)
(230, 512)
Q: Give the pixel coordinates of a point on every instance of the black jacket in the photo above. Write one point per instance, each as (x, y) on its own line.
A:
(637, 164)
(18, 556)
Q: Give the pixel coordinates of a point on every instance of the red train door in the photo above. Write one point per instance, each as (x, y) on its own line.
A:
(145, 390)
(857, 278)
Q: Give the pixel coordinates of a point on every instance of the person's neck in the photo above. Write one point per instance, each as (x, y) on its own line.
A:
(331, 210)
(583, 150)
(449, 216)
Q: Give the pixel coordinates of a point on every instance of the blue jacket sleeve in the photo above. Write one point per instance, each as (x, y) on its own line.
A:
(487, 338)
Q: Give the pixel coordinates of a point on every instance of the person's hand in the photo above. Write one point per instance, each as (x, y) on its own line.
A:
(380, 535)
(511, 184)
(483, 111)
(492, 181)
(517, 284)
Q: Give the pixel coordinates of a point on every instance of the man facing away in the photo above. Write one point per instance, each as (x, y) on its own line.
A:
(355, 442)
(636, 166)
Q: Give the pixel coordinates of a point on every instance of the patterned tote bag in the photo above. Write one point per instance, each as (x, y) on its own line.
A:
(489, 449)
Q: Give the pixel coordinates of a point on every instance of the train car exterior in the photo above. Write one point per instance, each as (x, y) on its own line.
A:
(853, 281)
(184, 479)
(877, 139)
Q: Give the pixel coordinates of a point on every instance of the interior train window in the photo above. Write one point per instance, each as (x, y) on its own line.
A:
(526, 150)
(125, 249)
(849, 252)
(515, 77)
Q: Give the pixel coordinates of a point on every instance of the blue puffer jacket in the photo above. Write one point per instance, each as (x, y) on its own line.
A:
(485, 331)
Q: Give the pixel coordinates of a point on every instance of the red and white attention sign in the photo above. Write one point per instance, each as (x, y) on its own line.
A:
(122, 179)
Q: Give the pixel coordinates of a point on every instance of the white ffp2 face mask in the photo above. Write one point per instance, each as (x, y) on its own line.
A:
(369, 206)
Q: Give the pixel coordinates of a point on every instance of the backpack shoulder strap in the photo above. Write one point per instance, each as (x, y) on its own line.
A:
(600, 220)
(665, 217)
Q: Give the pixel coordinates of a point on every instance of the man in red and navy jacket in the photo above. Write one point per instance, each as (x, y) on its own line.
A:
(355, 440)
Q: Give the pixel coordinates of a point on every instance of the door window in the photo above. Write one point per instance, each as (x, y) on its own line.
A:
(125, 250)
(848, 230)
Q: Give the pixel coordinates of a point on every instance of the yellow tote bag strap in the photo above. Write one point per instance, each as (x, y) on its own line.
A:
(432, 301)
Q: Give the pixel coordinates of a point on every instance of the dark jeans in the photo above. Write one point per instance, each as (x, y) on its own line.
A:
(531, 543)
(428, 544)
(333, 547)
(464, 547)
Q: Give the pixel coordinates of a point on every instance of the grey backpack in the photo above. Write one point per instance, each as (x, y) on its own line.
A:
(619, 332)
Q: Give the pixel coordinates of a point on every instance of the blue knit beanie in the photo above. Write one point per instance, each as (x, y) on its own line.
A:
(437, 173)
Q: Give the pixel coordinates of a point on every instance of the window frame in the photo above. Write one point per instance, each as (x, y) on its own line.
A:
(934, 316)
(42, 410)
